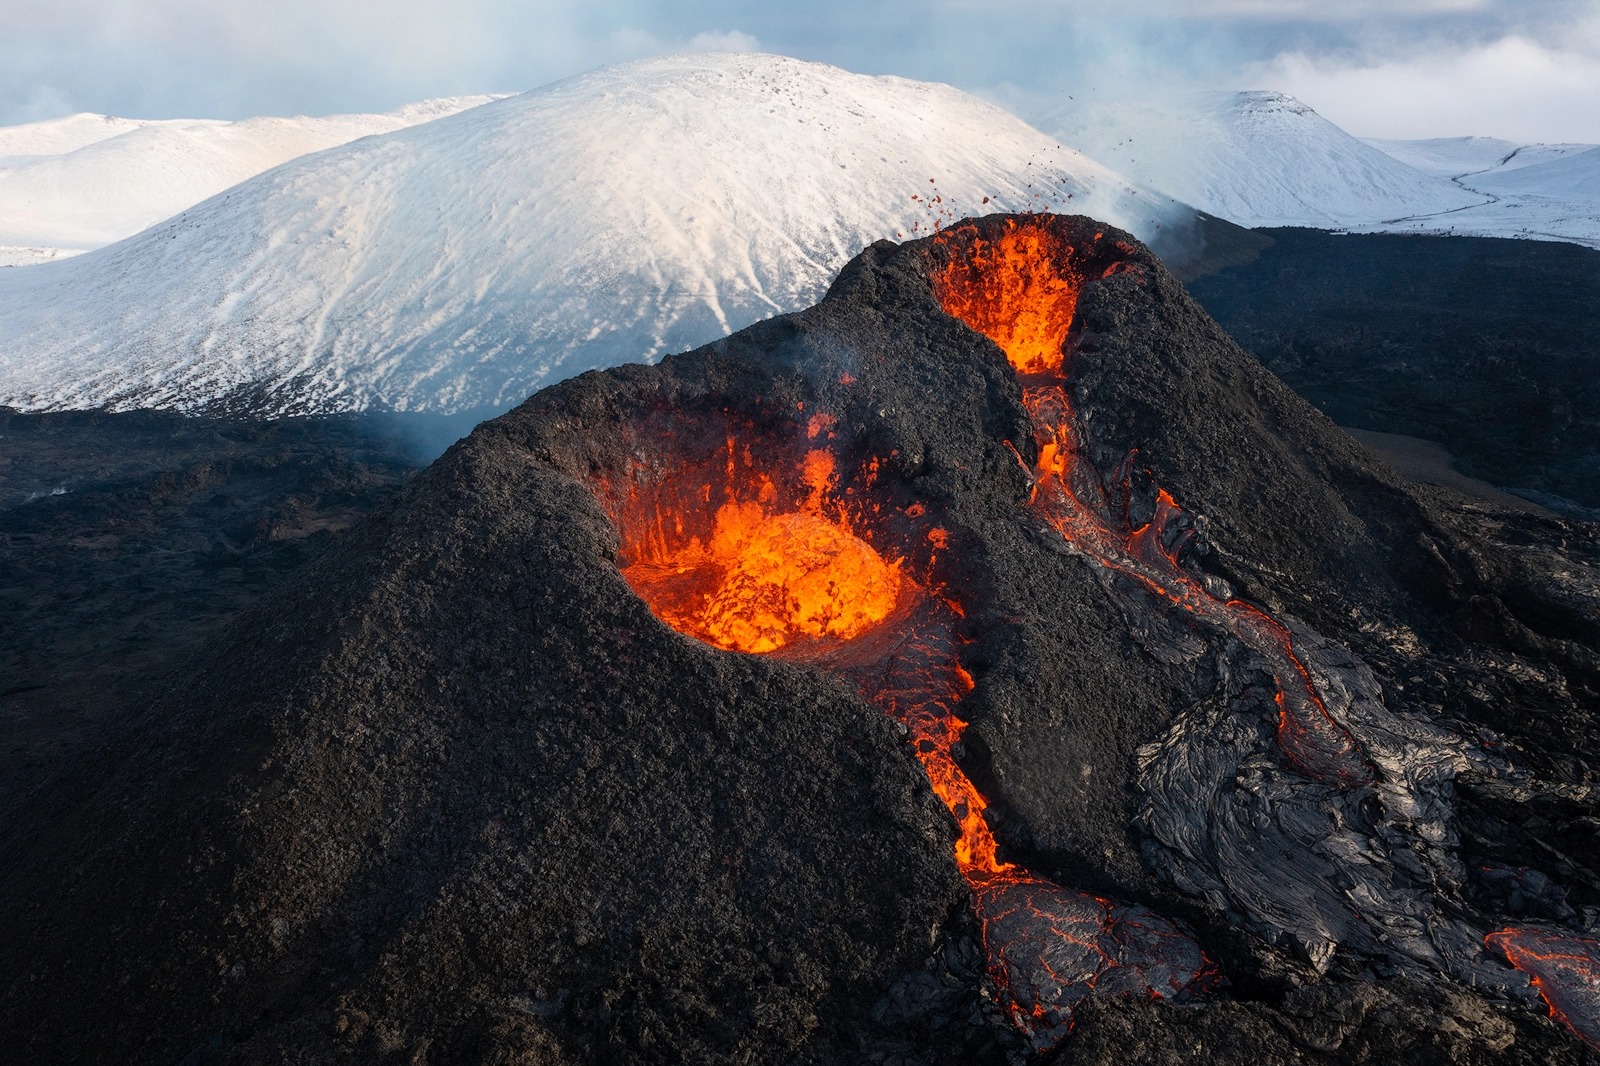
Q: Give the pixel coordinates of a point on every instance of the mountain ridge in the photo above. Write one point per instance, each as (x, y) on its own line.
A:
(55, 175)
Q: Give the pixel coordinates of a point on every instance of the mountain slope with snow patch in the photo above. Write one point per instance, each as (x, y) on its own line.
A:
(1530, 191)
(615, 216)
(72, 184)
(1459, 157)
(1568, 177)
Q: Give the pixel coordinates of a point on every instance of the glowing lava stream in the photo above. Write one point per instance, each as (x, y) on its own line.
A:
(1563, 968)
(1020, 293)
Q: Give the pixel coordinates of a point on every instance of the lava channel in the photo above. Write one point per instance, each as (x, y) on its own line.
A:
(1021, 290)
(754, 547)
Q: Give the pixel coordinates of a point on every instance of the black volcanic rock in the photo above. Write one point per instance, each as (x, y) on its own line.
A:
(1485, 345)
(455, 794)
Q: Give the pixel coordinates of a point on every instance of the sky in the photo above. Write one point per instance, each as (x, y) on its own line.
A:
(1525, 70)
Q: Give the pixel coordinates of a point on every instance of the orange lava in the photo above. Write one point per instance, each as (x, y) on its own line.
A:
(1564, 968)
(759, 558)
(765, 575)
(1014, 291)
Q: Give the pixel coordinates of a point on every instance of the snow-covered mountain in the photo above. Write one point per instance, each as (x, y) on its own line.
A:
(1266, 159)
(614, 216)
(72, 184)
(1574, 176)
(1255, 158)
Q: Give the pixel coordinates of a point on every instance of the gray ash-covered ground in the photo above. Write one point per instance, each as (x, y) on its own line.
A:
(448, 791)
(1489, 347)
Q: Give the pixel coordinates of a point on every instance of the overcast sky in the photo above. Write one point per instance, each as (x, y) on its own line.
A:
(1519, 69)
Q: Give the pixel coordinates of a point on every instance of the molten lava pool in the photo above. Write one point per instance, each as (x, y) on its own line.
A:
(767, 576)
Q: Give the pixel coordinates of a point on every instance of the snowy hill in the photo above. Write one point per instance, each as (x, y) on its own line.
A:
(615, 216)
(72, 184)
(1567, 177)
(1531, 191)
(1255, 158)
(1455, 157)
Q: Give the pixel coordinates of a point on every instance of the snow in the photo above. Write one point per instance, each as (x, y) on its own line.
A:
(1266, 159)
(77, 183)
(1254, 158)
(1454, 157)
(616, 216)
(1532, 191)
(1564, 177)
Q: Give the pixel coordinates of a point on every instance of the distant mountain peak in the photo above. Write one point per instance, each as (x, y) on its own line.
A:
(1256, 158)
(1269, 100)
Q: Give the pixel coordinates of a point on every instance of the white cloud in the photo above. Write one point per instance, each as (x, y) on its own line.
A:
(1514, 88)
(195, 58)
(1324, 10)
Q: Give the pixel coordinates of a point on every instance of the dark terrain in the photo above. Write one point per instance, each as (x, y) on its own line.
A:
(311, 759)
(1489, 347)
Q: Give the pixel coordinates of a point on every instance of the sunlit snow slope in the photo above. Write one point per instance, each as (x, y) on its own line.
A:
(1255, 158)
(72, 184)
(615, 216)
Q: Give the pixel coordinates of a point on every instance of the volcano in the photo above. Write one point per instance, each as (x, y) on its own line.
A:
(990, 661)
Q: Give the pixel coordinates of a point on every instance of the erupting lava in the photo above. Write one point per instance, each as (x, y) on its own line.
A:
(771, 555)
(754, 537)
(764, 577)
(1020, 291)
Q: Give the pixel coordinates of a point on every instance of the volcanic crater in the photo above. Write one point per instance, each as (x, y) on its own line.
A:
(991, 661)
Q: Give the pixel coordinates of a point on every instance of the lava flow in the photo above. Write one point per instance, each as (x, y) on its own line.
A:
(1020, 290)
(1563, 968)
